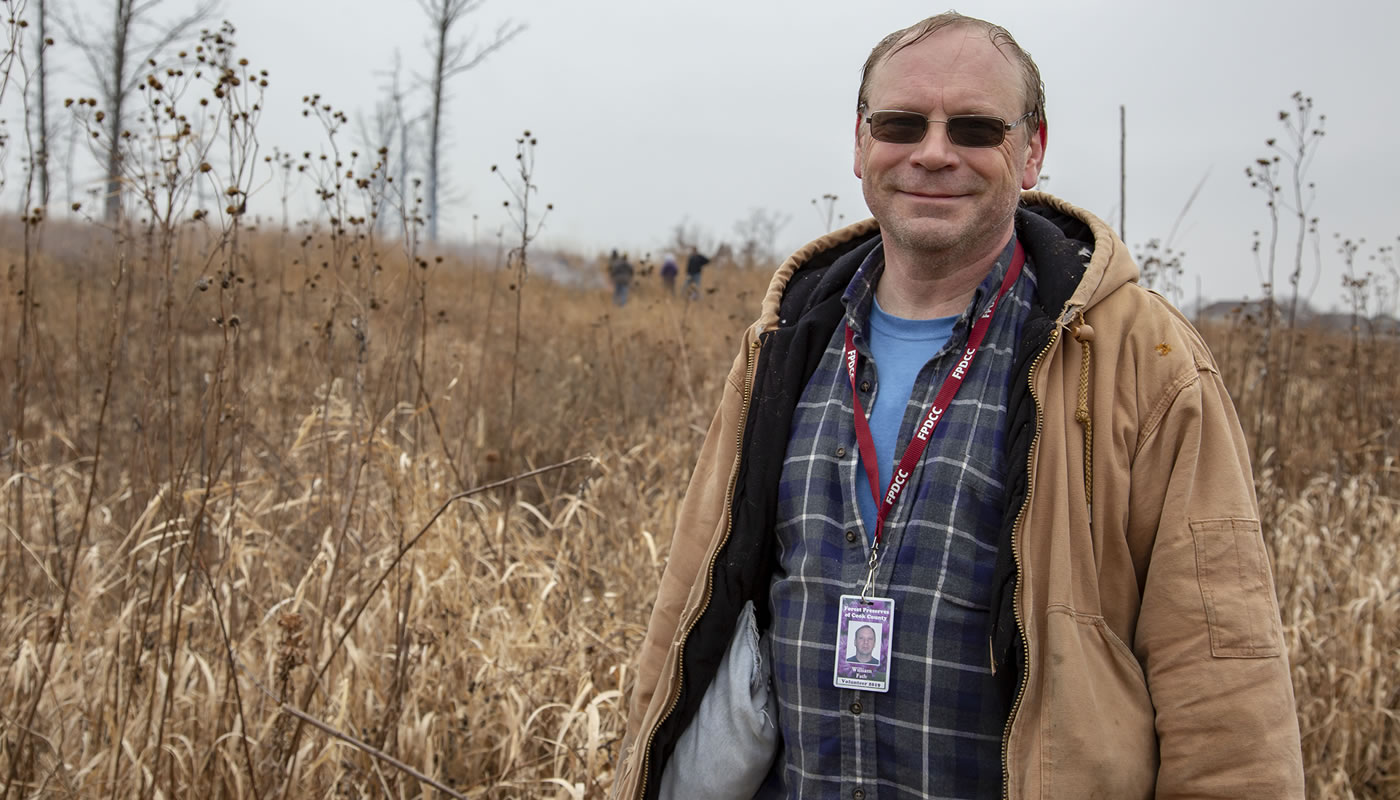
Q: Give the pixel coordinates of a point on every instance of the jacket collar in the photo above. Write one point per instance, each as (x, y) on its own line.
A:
(1079, 260)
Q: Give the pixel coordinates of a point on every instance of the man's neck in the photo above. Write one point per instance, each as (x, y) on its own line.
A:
(921, 286)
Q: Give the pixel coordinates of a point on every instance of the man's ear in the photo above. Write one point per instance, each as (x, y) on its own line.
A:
(859, 156)
(1035, 157)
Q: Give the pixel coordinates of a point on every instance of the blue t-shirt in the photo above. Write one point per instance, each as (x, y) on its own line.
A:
(900, 348)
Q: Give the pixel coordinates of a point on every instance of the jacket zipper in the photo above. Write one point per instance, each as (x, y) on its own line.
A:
(1016, 559)
(709, 567)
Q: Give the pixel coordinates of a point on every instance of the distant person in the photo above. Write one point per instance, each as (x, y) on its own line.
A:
(668, 273)
(693, 266)
(965, 419)
(621, 271)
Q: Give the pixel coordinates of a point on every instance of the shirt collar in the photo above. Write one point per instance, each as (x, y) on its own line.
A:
(859, 296)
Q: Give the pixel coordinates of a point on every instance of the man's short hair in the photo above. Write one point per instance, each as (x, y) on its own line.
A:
(1032, 85)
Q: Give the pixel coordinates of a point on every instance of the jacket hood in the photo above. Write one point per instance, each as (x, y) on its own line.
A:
(1107, 265)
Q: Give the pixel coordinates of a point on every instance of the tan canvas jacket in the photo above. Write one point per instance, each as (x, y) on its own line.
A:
(1155, 658)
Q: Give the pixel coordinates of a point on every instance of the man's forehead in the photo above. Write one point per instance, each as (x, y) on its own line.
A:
(964, 54)
(963, 40)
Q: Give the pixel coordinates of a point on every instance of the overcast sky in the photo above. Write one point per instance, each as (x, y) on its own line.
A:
(650, 112)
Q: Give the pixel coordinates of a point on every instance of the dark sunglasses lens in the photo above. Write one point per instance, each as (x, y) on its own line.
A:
(897, 127)
(976, 131)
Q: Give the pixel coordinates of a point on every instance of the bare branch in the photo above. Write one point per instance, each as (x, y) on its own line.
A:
(408, 545)
(336, 733)
(456, 65)
(171, 34)
(1181, 216)
(450, 58)
(74, 31)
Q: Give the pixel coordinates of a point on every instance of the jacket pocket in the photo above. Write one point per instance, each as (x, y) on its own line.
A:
(1099, 736)
(1233, 570)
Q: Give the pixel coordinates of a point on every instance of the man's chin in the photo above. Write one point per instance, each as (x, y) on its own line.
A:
(925, 235)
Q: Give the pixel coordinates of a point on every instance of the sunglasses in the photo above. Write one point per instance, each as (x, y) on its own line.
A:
(964, 130)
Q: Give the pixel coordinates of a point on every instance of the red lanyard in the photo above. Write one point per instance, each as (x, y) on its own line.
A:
(950, 387)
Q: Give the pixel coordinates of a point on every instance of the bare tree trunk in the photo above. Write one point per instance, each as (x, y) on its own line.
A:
(115, 99)
(42, 161)
(401, 127)
(449, 59)
(405, 192)
(114, 61)
(444, 24)
(68, 164)
(377, 133)
(404, 126)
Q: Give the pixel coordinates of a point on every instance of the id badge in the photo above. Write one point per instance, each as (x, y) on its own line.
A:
(863, 635)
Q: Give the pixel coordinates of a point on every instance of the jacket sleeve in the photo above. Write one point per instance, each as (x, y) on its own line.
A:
(1208, 634)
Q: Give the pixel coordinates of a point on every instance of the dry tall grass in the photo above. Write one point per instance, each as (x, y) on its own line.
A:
(223, 452)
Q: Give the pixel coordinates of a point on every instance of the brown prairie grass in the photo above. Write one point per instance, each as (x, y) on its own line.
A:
(206, 520)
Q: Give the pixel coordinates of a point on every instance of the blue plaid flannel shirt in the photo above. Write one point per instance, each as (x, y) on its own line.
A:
(937, 732)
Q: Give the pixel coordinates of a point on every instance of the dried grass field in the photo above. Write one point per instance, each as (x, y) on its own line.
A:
(259, 536)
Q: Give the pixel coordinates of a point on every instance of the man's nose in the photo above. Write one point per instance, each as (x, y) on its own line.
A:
(935, 151)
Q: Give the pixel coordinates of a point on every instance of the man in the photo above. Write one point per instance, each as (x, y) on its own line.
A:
(865, 646)
(668, 273)
(965, 419)
(693, 266)
(620, 270)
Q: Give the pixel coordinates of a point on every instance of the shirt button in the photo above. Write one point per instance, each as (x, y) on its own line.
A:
(865, 386)
(858, 794)
(856, 708)
(850, 536)
(840, 452)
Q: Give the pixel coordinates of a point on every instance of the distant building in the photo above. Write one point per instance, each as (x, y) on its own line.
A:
(1339, 321)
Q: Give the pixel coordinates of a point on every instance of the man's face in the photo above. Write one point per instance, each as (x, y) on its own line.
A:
(865, 642)
(934, 198)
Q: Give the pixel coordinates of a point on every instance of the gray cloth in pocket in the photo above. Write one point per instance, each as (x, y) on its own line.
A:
(727, 750)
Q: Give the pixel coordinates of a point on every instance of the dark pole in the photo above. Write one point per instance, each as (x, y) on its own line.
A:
(1123, 173)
